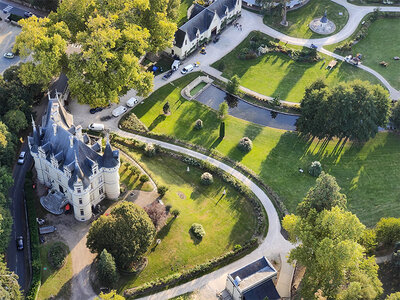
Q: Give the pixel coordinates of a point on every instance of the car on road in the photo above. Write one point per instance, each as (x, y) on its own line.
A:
(187, 69)
(28, 14)
(175, 65)
(9, 55)
(119, 111)
(21, 158)
(132, 102)
(96, 127)
(95, 110)
(105, 118)
(20, 243)
(168, 75)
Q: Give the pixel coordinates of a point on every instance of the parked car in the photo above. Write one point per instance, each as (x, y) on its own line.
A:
(132, 102)
(175, 65)
(21, 158)
(20, 243)
(9, 55)
(28, 14)
(187, 69)
(313, 46)
(96, 127)
(168, 75)
(95, 110)
(216, 39)
(105, 118)
(119, 111)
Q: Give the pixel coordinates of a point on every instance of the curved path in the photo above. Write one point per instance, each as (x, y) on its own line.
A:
(273, 245)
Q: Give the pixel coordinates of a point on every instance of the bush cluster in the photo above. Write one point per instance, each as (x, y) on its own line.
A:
(132, 122)
(206, 178)
(198, 124)
(144, 178)
(195, 272)
(197, 230)
(56, 255)
(150, 150)
(245, 144)
(388, 231)
(315, 169)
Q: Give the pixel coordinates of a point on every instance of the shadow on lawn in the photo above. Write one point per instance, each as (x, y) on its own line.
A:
(157, 121)
(251, 131)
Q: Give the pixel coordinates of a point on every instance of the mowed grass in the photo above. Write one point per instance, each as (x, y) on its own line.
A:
(380, 45)
(55, 283)
(228, 220)
(368, 173)
(131, 179)
(300, 18)
(277, 75)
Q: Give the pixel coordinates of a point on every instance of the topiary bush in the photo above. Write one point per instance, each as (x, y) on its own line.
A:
(198, 124)
(144, 178)
(56, 255)
(315, 168)
(245, 144)
(206, 178)
(176, 213)
(149, 150)
(197, 230)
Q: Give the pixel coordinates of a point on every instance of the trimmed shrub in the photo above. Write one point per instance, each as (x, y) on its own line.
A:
(368, 240)
(206, 178)
(161, 190)
(197, 230)
(198, 124)
(150, 150)
(176, 213)
(106, 269)
(315, 169)
(166, 108)
(144, 178)
(56, 255)
(388, 231)
(245, 144)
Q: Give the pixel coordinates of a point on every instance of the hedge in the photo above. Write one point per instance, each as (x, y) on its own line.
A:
(30, 197)
(190, 274)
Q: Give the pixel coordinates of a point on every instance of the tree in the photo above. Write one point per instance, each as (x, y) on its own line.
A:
(223, 110)
(15, 119)
(233, 85)
(126, 233)
(106, 269)
(110, 296)
(6, 180)
(7, 146)
(112, 36)
(388, 231)
(353, 110)
(393, 296)
(166, 108)
(222, 130)
(335, 263)
(157, 214)
(395, 115)
(325, 194)
(9, 287)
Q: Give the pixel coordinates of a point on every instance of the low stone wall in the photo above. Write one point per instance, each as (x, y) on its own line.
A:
(186, 91)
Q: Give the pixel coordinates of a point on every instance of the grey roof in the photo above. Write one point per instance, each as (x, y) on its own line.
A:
(200, 22)
(179, 37)
(57, 140)
(221, 6)
(60, 85)
(254, 267)
(196, 9)
(260, 292)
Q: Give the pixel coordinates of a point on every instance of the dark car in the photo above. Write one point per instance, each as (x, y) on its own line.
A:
(20, 243)
(105, 118)
(28, 14)
(168, 74)
(95, 110)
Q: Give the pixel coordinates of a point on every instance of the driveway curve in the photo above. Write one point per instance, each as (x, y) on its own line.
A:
(273, 245)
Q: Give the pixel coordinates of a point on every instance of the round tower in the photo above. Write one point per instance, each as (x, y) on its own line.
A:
(111, 165)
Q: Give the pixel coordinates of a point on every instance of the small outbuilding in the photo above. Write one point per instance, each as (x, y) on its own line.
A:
(253, 282)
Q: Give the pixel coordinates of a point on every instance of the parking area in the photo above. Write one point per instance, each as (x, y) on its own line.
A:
(8, 33)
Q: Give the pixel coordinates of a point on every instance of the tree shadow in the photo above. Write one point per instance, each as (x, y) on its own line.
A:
(195, 240)
(157, 121)
(164, 232)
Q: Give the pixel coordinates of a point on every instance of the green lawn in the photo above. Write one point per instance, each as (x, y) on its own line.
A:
(197, 88)
(368, 173)
(379, 46)
(131, 179)
(227, 220)
(55, 283)
(182, 12)
(300, 18)
(277, 75)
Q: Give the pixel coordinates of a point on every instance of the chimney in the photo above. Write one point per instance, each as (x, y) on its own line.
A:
(55, 128)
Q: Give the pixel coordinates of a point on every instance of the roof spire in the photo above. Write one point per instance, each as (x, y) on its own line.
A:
(33, 123)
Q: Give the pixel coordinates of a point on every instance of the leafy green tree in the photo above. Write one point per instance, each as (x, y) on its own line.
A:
(7, 146)
(125, 233)
(106, 269)
(393, 296)
(223, 110)
(395, 115)
(335, 263)
(6, 180)
(15, 119)
(9, 287)
(353, 110)
(324, 195)
(388, 231)
(233, 85)
(112, 36)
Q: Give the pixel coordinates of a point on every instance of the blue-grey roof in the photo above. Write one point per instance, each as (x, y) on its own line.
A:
(200, 22)
(221, 6)
(196, 9)
(262, 291)
(254, 267)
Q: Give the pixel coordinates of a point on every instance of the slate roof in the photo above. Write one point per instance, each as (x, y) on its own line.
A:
(220, 7)
(200, 22)
(260, 292)
(197, 8)
(57, 140)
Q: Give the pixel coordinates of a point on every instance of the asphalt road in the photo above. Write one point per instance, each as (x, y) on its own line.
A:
(14, 10)
(17, 261)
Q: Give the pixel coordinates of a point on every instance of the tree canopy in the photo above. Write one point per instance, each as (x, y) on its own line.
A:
(106, 269)
(353, 110)
(125, 233)
(9, 287)
(111, 37)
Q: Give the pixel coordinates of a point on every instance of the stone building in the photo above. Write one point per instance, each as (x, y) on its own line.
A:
(70, 166)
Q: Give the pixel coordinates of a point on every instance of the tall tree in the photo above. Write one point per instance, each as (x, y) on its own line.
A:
(233, 85)
(335, 263)
(112, 36)
(126, 233)
(9, 287)
(324, 195)
(106, 269)
(15, 119)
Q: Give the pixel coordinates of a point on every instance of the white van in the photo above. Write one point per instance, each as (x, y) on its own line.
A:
(187, 69)
(119, 111)
(132, 102)
(175, 65)
(96, 127)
